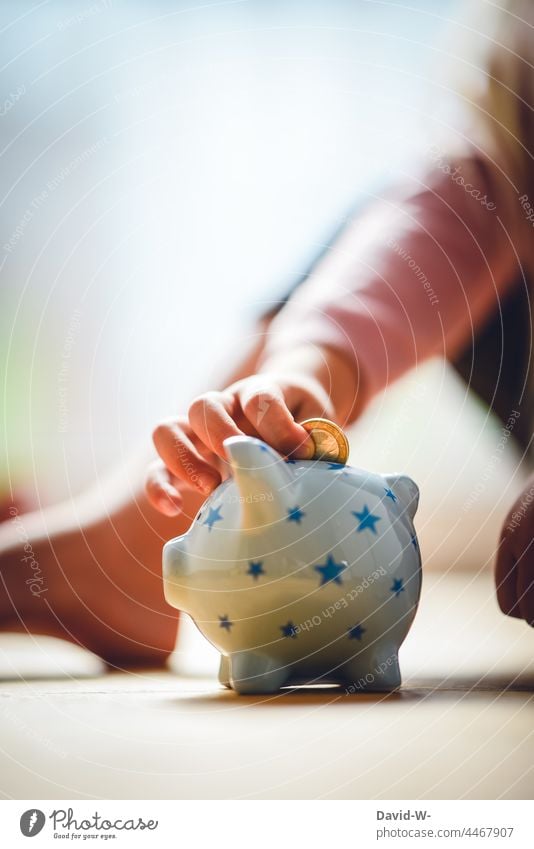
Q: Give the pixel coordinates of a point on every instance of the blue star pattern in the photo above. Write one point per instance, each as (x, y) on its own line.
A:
(356, 632)
(213, 516)
(336, 466)
(225, 623)
(366, 519)
(255, 569)
(390, 494)
(397, 587)
(289, 630)
(330, 571)
(264, 447)
(295, 515)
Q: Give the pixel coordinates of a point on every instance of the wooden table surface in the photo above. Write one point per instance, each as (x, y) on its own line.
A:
(462, 726)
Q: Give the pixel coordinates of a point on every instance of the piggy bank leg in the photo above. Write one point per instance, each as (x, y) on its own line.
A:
(374, 671)
(224, 671)
(252, 673)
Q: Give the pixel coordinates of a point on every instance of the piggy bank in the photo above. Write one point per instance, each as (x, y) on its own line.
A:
(300, 572)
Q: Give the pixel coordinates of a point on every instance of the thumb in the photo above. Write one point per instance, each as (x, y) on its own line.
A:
(308, 401)
(264, 405)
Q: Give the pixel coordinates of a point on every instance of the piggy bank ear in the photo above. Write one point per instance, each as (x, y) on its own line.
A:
(406, 490)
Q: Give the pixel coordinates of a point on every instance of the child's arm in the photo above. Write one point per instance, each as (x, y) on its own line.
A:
(414, 277)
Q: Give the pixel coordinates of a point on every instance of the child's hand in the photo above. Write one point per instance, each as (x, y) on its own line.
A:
(264, 405)
(514, 573)
(184, 460)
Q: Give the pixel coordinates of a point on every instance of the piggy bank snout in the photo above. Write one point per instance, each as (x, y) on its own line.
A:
(175, 571)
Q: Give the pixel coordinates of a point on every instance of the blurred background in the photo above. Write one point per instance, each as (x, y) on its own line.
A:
(168, 168)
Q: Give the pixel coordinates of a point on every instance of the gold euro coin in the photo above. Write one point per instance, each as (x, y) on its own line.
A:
(330, 442)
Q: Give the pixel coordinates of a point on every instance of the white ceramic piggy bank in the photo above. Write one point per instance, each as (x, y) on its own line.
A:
(300, 572)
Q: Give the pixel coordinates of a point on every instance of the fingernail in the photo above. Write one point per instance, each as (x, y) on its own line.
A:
(168, 506)
(171, 498)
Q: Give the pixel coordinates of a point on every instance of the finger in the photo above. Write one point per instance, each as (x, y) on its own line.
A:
(161, 491)
(305, 405)
(211, 418)
(264, 406)
(206, 453)
(506, 573)
(182, 458)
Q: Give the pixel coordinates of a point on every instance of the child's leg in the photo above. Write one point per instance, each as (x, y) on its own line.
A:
(93, 580)
(89, 571)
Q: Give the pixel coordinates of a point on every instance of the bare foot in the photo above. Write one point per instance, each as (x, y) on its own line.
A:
(90, 572)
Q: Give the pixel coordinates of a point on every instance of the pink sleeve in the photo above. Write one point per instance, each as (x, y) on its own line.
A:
(413, 277)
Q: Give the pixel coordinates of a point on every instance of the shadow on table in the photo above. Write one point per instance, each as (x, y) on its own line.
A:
(412, 691)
